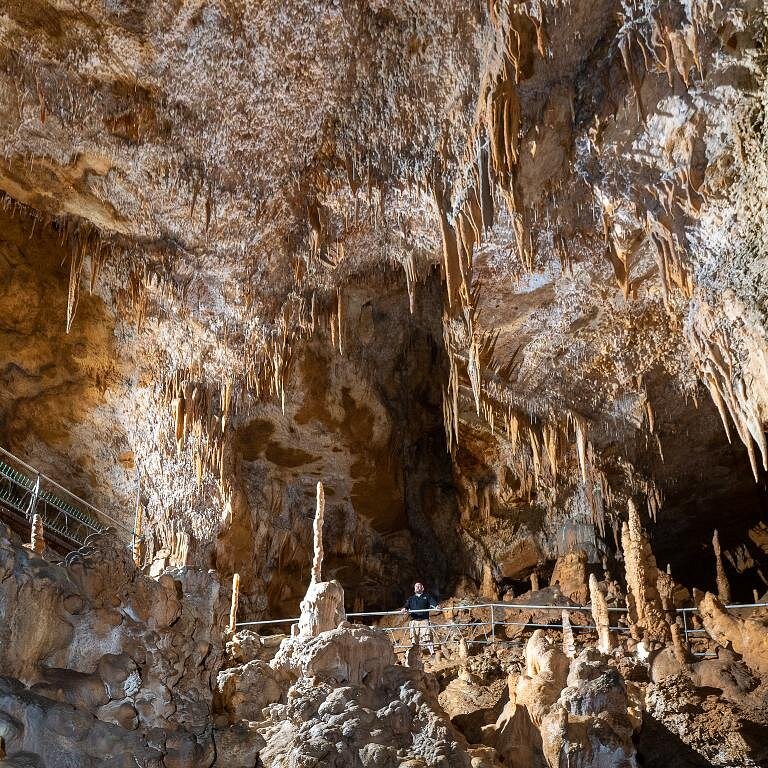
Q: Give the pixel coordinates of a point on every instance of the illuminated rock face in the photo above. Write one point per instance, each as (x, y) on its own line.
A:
(473, 302)
(494, 272)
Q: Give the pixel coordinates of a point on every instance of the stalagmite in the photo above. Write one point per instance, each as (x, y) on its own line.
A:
(233, 606)
(413, 658)
(723, 587)
(678, 643)
(600, 616)
(322, 608)
(37, 540)
(534, 582)
(643, 599)
(488, 585)
(569, 643)
(747, 636)
(317, 563)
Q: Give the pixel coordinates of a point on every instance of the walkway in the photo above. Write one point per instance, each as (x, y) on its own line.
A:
(477, 629)
(68, 520)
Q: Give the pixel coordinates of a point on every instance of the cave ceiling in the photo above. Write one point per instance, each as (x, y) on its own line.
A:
(488, 269)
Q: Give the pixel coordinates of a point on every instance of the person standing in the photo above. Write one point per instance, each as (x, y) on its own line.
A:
(418, 606)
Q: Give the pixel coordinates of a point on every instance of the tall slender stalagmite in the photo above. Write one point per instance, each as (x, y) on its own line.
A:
(322, 608)
(723, 587)
(317, 563)
(600, 616)
(569, 643)
(233, 606)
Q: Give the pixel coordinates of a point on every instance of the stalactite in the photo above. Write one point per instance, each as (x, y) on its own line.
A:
(473, 369)
(550, 437)
(340, 317)
(75, 271)
(625, 48)
(671, 269)
(410, 280)
(333, 326)
(723, 587)
(513, 429)
(716, 368)
(649, 415)
(580, 424)
(451, 262)
(533, 441)
(481, 209)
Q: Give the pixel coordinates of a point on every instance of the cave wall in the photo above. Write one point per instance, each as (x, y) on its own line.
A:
(314, 230)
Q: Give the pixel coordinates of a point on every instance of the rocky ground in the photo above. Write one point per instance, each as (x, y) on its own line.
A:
(103, 665)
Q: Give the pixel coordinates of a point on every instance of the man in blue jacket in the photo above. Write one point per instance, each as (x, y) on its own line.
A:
(418, 606)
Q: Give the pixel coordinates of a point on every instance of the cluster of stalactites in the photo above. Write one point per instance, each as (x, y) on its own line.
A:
(169, 538)
(542, 451)
(718, 370)
(200, 417)
(492, 155)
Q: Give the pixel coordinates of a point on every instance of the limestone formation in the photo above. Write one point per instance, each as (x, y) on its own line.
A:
(37, 539)
(723, 587)
(569, 643)
(643, 599)
(322, 608)
(570, 574)
(600, 616)
(748, 637)
(488, 269)
(233, 605)
(317, 560)
(108, 657)
(559, 712)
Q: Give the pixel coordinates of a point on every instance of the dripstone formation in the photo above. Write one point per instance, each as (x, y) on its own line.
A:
(483, 283)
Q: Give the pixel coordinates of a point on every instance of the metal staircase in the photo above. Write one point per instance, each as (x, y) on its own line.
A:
(68, 520)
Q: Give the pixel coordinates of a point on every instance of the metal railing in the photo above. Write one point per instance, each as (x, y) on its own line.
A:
(26, 491)
(485, 632)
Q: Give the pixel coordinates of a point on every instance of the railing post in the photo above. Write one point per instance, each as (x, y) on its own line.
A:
(685, 628)
(493, 627)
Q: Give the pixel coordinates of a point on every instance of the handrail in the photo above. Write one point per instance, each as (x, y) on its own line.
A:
(69, 493)
(517, 606)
